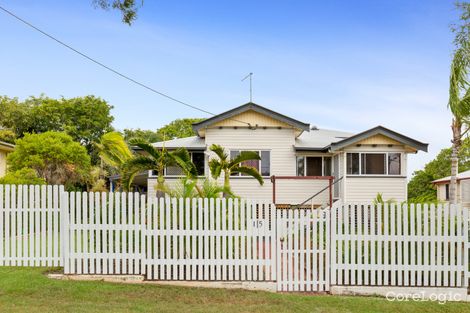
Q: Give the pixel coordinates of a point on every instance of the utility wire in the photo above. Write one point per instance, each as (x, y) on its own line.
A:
(110, 68)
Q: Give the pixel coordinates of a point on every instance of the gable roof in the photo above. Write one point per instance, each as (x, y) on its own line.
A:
(379, 130)
(254, 107)
(460, 176)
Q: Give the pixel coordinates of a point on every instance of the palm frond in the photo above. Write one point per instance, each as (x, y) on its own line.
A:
(210, 189)
(459, 84)
(182, 158)
(147, 147)
(244, 156)
(250, 171)
(113, 150)
(219, 151)
(215, 168)
(134, 166)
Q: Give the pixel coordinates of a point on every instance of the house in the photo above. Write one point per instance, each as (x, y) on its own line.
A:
(5, 148)
(463, 187)
(299, 161)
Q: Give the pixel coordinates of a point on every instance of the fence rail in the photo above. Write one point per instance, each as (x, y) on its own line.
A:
(234, 240)
(30, 225)
(399, 245)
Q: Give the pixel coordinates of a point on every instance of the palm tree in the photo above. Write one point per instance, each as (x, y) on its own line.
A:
(113, 149)
(156, 159)
(228, 167)
(459, 105)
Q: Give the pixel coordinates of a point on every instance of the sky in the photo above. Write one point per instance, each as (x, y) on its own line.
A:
(345, 65)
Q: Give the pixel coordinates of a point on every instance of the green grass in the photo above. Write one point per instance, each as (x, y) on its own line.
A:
(29, 290)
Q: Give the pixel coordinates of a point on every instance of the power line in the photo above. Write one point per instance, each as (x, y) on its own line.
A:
(110, 68)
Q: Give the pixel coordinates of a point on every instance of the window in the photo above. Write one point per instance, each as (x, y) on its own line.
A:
(353, 163)
(373, 163)
(198, 159)
(313, 166)
(300, 166)
(394, 163)
(263, 166)
(447, 192)
(327, 166)
(265, 163)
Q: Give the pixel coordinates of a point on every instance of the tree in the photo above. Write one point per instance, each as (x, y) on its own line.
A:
(113, 150)
(128, 8)
(459, 105)
(54, 156)
(156, 159)
(24, 176)
(7, 135)
(223, 164)
(179, 128)
(459, 93)
(86, 119)
(141, 134)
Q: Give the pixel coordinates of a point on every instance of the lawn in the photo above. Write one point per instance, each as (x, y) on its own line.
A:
(29, 290)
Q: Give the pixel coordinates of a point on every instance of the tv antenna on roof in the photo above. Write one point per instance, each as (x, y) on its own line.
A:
(251, 85)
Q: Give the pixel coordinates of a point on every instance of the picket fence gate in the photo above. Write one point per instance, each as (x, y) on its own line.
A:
(234, 240)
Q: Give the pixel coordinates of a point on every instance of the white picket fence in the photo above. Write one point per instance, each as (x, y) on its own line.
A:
(399, 245)
(30, 224)
(303, 253)
(211, 239)
(234, 240)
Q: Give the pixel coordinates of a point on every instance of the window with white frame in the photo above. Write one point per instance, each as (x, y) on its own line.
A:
(373, 163)
(313, 166)
(263, 166)
(198, 159)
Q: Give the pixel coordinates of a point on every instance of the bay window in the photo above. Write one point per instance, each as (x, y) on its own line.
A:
(373, 163)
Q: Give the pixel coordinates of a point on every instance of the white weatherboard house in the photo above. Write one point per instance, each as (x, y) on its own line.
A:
(298, 161)
(463, 188)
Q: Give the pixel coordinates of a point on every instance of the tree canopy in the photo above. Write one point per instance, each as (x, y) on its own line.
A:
(128, 8)
(85, 119)
(179, 128)
(54, 156)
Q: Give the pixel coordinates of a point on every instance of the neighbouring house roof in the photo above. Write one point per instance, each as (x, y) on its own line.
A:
(319, 139)
(254, 107)
(379, 130)
(460, 176)
(190, 143)
(6, 146)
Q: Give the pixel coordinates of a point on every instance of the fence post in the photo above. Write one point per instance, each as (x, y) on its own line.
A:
(331, 241)
(64, 228)
(465, 244)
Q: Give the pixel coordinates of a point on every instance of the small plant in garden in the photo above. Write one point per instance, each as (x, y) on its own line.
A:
(232, 166)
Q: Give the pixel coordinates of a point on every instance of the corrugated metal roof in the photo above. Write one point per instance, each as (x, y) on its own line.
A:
(460, 176)
(190, 143)
(319, 139)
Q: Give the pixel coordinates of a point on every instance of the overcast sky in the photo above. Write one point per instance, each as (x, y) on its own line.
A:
(346, 65)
